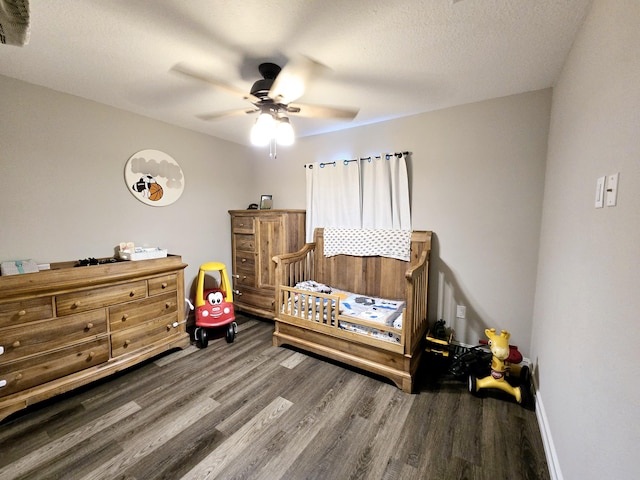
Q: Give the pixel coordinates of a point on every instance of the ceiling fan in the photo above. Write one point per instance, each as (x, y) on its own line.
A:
(272, 97)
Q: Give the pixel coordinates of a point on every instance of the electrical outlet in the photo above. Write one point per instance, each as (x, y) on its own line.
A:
(461, 311)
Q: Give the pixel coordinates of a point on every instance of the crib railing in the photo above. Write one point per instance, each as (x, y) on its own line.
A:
(295, 267)
(417, 291)
(309, 306)
(301, 307)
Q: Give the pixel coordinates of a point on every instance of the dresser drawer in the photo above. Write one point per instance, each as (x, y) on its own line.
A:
(244, 278)
(255, 298)
(242, 224)
(34, 371)
(26, 340)
(245, 242)
(17, 313)
(132, 339)
(166, 283)
(130, 314)
(77, 302)
(245, 261)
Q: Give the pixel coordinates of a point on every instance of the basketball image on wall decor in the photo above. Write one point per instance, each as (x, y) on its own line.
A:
(154, 177)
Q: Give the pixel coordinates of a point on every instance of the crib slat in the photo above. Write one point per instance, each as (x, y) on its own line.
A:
(309, 310)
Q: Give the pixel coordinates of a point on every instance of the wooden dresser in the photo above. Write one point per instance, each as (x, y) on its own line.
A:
(256, 236)
(65, 327)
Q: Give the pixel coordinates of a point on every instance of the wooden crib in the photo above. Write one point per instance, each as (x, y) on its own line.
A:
(318, 327)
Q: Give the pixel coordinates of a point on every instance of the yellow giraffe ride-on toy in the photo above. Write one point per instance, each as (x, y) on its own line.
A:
(499, 345)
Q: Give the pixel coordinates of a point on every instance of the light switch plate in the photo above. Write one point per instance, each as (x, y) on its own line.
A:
(461, 311)
(600, 192)
(612, 190)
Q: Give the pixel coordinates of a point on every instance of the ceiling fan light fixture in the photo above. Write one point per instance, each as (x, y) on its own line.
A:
(284, 132)
(263, 130)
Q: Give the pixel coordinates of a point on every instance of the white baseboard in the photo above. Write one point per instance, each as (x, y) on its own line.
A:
(549, 448)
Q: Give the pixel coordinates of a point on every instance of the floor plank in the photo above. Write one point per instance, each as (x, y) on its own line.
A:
(245, 438)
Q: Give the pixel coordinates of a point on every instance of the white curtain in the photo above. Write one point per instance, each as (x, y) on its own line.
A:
(14, 22)
(368, 193)
(385, 193)
(333, 196)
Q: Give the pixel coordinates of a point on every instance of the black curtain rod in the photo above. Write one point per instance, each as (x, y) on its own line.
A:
(386, 156)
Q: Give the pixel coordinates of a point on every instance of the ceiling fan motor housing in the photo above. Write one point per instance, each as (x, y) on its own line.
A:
(261, 87)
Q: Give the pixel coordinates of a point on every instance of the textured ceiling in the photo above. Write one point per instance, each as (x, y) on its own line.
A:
(389, 58)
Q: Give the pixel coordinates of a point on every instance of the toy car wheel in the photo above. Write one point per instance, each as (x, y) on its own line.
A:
(196, 334)
(525, 375)
(473, 385)
(231, 332)
(204, 338)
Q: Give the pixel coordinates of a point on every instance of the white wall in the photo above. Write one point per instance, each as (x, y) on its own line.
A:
(586, 329)
(63, 193)
(477, 181)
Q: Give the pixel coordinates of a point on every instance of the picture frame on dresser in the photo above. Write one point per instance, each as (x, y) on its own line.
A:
(266, 202)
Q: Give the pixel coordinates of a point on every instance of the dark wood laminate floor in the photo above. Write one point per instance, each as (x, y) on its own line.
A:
(251, 410)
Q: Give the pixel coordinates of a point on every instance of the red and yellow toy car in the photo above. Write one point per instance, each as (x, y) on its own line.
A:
(214, 306)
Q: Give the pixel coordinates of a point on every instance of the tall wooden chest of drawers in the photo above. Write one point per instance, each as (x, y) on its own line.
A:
(66, 327)
(256, 236)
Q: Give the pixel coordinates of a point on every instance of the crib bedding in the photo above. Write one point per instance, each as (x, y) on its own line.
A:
(386, 314)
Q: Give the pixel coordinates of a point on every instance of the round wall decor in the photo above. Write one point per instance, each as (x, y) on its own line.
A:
(154, 177)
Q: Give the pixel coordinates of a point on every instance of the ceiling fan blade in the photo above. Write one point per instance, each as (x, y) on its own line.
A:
(292, 81)
(321, 111)
(226, 114)
(184, 70)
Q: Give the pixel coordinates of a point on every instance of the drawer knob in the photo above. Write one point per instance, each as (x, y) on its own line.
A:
(235, 276)
(125, 316)
(164, 285)
(91, 355)
(22, 313)
(237, 292)
(243, 260)
(168, 327)
(76, 304)
(89, 326)
(127, 343)
(132, 293)
(16, 344)
(18, 376)
(167, 305)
